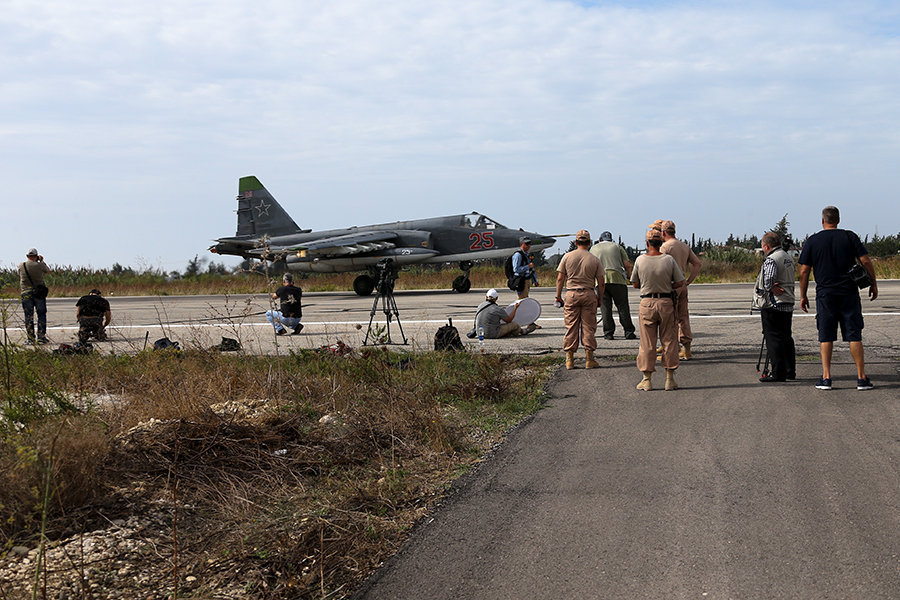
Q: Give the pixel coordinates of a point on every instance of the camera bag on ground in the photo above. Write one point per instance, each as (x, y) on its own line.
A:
(166, 344)
(227, 345)
(447, 338)
(76, 348)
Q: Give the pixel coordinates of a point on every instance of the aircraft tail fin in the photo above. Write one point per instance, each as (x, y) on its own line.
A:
(258, 211)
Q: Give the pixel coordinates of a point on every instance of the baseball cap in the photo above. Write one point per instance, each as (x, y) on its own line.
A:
(657, 224)
(492, 293)
(668, 226)
(32, 252)
(525, 240)
(583, 235)
(95, 292)
(606, 236)
(654, 234)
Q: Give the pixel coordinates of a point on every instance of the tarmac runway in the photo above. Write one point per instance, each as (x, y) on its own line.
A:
(721, 321)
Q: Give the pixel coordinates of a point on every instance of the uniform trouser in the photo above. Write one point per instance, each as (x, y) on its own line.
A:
(683, 318)
(30, 305)
(91, 327)
(580, 316)
(618, 293)
(776, 326)
(656, 317)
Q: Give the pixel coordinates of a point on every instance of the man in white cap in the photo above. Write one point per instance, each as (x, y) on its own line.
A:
(34, 295)
(582, 275)
(495, 321)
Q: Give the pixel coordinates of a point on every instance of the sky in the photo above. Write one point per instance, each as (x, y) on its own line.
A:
(125, 126)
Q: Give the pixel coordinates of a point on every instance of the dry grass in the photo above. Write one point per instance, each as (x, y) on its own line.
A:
(268, 499)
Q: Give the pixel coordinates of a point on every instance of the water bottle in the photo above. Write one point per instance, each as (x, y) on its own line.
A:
(481, 337)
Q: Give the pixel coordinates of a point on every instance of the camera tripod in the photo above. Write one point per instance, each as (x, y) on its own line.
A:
(384, 291)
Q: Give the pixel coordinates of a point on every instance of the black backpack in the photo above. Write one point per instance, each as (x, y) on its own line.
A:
(447, 338)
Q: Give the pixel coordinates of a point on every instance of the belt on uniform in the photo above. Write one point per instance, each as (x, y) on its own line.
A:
(667, 295)
(578, 289)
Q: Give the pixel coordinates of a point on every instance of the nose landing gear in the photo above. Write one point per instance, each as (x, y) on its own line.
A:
(461, 284)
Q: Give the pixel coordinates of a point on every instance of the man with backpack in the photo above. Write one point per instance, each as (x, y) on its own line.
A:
(520, 273)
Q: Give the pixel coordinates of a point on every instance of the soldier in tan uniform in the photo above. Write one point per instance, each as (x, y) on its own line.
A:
(582, 275)
(657, 275)
(690, 266)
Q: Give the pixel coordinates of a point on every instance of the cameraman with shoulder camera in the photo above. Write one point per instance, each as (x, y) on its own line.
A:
(34, 295)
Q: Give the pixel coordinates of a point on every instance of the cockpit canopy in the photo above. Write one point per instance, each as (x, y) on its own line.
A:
(478, 221)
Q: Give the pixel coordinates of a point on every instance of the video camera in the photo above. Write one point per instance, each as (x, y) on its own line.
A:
(387, 275)
(787, 243)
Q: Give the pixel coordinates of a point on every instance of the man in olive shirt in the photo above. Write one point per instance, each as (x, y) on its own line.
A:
(657, 275)
(616, 264)
(31, 277)
(689, 264)
(582, 275)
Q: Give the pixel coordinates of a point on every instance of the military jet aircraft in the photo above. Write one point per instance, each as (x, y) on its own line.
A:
(266, 232)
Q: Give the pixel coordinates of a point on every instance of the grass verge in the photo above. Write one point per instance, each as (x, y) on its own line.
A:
(236, 476)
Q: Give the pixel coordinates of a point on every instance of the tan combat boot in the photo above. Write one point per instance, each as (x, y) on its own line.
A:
(685, 353)
(670, 380)
(570, 359)
(589, 362)
(645, 384)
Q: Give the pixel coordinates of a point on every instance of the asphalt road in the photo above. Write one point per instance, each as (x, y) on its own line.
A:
(722, 489)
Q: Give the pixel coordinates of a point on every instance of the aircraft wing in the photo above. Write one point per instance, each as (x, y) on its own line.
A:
(343, 245)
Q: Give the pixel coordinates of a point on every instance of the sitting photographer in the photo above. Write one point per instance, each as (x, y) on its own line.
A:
(93, 315)
(495, 321)
(291, 307)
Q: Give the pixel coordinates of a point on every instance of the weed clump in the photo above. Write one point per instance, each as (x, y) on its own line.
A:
(282, 477)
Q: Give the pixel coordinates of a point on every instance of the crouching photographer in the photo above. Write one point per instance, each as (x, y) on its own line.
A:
(93, 314)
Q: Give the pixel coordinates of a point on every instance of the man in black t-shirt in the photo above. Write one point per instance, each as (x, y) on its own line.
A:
(291, 307)
(830, 254)
(93, 314)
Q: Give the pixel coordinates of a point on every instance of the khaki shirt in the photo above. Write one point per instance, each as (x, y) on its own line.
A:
(581, 269)
(36, 270)
(656, 273)
(680, 251)
(613, 257)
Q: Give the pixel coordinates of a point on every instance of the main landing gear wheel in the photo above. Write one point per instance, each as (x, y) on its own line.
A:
(462, 284)
(363, 285)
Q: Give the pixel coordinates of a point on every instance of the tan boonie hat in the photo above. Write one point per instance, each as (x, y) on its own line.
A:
(583, 235)
(654, 234)
(668, 226)
(657, 224)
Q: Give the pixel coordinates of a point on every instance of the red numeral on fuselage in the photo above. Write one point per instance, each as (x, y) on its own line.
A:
(481, 241)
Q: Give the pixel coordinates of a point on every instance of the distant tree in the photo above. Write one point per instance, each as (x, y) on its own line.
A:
(193, 267)
(781, 228)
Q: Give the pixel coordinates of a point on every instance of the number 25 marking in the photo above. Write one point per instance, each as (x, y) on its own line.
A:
(481, 241)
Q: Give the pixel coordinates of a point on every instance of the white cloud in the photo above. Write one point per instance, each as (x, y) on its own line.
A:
(531, 101)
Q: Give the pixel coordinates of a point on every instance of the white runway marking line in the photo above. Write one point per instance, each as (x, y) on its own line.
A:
(402, 321)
